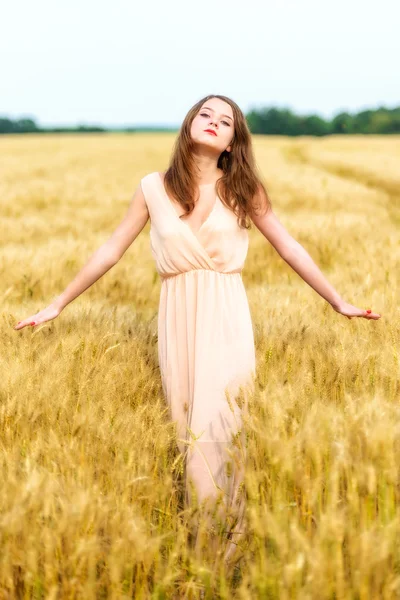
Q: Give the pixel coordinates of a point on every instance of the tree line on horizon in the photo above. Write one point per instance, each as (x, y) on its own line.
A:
(266, 121)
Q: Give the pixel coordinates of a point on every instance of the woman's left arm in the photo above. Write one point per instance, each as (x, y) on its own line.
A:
(298, 258)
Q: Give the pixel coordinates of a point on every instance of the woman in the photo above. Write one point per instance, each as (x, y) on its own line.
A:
(199, 211)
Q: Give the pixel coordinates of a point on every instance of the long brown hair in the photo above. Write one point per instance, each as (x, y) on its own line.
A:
(240, 185)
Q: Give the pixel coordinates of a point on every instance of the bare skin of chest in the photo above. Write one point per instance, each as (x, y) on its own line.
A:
(203, 207)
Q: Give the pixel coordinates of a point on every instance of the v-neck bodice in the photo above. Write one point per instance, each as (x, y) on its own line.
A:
(220, 244)
(186, 223)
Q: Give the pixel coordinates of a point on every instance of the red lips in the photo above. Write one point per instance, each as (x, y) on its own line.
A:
(211, 131)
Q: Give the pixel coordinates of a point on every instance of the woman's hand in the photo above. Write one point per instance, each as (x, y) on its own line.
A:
(47, 314)
(349, 311)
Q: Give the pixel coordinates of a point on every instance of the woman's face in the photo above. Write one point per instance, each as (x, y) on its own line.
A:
(216, 115)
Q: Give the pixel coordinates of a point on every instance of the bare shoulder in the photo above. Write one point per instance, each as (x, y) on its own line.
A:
(138, 202)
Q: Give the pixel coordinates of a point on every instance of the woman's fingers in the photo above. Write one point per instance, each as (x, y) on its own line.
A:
(368, 314)
(30, 321)
(350, 311)
(47, 314)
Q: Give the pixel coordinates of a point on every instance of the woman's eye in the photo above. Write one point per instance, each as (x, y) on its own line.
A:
(205, 115)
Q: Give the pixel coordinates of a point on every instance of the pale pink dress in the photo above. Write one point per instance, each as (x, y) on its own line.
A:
(205, 337)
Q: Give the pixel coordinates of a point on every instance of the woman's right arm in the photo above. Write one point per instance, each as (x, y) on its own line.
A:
(105, 257)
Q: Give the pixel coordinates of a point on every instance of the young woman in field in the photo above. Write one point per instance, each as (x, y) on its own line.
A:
(200, 211)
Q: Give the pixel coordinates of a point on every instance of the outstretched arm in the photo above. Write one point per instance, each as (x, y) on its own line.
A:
(101, 261)
(298, 258)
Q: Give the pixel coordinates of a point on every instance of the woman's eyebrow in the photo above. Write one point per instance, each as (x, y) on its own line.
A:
(208, 108)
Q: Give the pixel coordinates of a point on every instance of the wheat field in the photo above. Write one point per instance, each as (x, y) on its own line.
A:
(90, 503)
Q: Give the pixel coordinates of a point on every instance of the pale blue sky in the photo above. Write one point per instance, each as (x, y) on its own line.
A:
(120, 62)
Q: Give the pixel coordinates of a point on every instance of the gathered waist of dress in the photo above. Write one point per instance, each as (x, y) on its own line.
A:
(191, 271)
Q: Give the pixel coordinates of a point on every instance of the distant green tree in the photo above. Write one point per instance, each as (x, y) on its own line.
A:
(7, 126)
(342, 123)
(315, 125)
(26, 126)
(273, 121)
(362, 122)
(381, 122)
